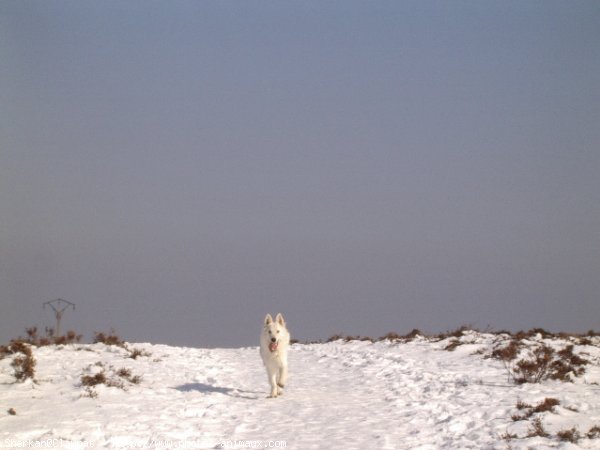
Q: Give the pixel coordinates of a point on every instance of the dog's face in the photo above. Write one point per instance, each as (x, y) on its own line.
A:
(275, 331)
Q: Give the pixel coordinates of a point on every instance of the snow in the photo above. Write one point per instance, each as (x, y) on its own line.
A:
(341, 395)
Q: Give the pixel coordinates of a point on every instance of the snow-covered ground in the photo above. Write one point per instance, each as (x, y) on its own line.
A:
(341, 395)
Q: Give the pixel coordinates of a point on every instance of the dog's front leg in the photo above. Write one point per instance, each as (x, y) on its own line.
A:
(282, 376)
(273, 382)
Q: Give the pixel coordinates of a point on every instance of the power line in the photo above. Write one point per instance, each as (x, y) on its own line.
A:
(59, 306)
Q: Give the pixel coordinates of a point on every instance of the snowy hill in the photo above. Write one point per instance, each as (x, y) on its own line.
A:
(341, 395)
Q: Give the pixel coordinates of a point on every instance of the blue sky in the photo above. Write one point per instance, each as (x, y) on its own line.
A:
(179, 169)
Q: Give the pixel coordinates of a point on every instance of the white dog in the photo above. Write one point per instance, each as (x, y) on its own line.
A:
(274, 342)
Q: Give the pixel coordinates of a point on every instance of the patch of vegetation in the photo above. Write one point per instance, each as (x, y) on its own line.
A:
(337, 337)
(566, 364)
(533, 369)
(126, 374)
(93, 380)
(571, 435)
(391, 336)
(533, 334)
(109, 377)
(134, 353)
(522, 405)
(111, 338)
(509, 436)
(395, 337)
(594, 432)
(547, 405)
(33, 337)
(452, 345)
(537, 429)
(539, 363)
(457, 333)
(23, 362)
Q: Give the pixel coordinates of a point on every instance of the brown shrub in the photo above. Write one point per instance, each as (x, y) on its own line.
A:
(520, 335)
(135, 352)
(508, 355)
(547, 404)
(32, 335)
(452, 345)
(4, 351)
(109, 377)
(90, 392)
(349, 338)
(509, 352)
(508, 437)
(522, 405)
(545, 334)
(24, 365)
(359, 338)
(541, 363)
(124, 373)
(516, 417)
(566, 364)
(413, 334)
(70, 338)
(391, 336)
(136, 379)
(460, 331)
(594, 432)
(33, 338)
(537, 429)
(93, 380)
(535, 369)
(110, 338)
(335, 337)
(571, 435)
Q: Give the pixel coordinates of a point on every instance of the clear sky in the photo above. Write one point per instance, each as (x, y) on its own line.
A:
(179, 169)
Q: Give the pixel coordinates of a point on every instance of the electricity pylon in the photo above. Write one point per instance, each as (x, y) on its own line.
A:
(59, 306)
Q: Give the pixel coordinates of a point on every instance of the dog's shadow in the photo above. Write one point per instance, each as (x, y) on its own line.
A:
(210, 389)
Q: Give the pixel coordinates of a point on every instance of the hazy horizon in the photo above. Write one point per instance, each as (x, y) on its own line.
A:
(180, 169)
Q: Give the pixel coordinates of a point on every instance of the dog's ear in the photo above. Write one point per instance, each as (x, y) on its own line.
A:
(279, 319)
(268, 319)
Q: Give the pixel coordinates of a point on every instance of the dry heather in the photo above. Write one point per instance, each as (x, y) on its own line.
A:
(533, 363)
(23, 362)
(109, 377)
(112, 338)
